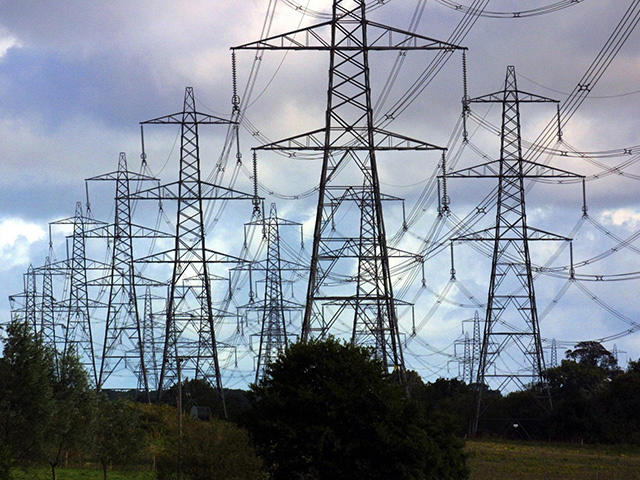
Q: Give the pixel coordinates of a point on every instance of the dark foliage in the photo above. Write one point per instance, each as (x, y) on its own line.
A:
(116, 433)
(594, 401)
(209, 450)
(594, 354)
(200, 393)
(327, 410)
(449, 399)
(27, 377)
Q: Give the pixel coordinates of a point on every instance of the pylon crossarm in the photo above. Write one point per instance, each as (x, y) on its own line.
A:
(352, 139)
(356, 194)
(313, 140)
(87, 221)
(523, 97)
(398, 253)
(386, 140)
(261, 265)
(168, 256)
(287, 41)
(191, 118)
(484, 170)
(381, 37)
(113, 176)
(286, 305)
(537, 234)
(138, 231)
(379, 34)
(208, 191)
(489, 234)
(529, 170)
(537, 170)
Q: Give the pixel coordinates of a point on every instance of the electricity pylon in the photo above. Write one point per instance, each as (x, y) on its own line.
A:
(25, 310)
(31, 294)
(122, 342)
(511, 349)
(273, 307)
(471, 349)
(189, 336)
(149, 342)
(47, 316)
(78, 334)
(349, 278)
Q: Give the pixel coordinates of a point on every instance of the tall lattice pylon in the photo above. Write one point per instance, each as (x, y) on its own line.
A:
(149, 342)
(31, 293)
(349, 279)
(273, 307)
(47, 318)
(122, 341)
(511, 353)
(189, 335)
(78, 334)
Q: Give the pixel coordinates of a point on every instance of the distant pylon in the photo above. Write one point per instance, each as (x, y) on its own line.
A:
(122, 342)
(189, 335)
(79, 334)
(47, 315)
(349, 277)
(122, 333)
(273, 307)
(511, 350)
(30, 294)
(149, 342)
(467, 364)
(476, 342)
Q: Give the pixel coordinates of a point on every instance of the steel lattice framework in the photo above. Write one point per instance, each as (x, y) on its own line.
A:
(122, 345)
(349, 280)
(189, 335)
(149, 342)
(273, 307)
(511, 327)
(78, 334)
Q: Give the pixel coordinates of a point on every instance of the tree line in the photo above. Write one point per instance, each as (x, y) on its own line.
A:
(593, 401)
(324, 410)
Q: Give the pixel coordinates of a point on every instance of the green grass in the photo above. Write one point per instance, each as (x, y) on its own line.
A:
(81, 474)
(488, 460)
(550, 461)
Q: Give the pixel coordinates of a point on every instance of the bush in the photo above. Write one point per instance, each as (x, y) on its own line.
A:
(209, 450)
(329, 410)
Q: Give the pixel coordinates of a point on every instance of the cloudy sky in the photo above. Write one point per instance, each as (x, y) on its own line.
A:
(76, 78)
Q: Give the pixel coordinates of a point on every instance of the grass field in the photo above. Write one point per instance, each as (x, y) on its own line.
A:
(488, 460)
(542, 461)
(80, 474)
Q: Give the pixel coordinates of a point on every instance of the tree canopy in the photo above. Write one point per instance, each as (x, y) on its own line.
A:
(328, 410)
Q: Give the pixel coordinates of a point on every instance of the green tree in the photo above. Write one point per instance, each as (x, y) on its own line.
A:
(26, 403)
(159, 424)
(210, 450)
(620, 407)
(117, 435)
(450, 399)
(594, 354)
(73, 403)
(634, 366)
(577, 385)
(328, 410)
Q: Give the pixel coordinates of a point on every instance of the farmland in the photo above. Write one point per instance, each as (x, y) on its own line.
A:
(488, 460)
(529, 460)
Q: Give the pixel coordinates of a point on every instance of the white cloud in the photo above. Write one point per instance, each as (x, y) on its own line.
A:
(16, 238)
(7, 42)
(621, 217)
